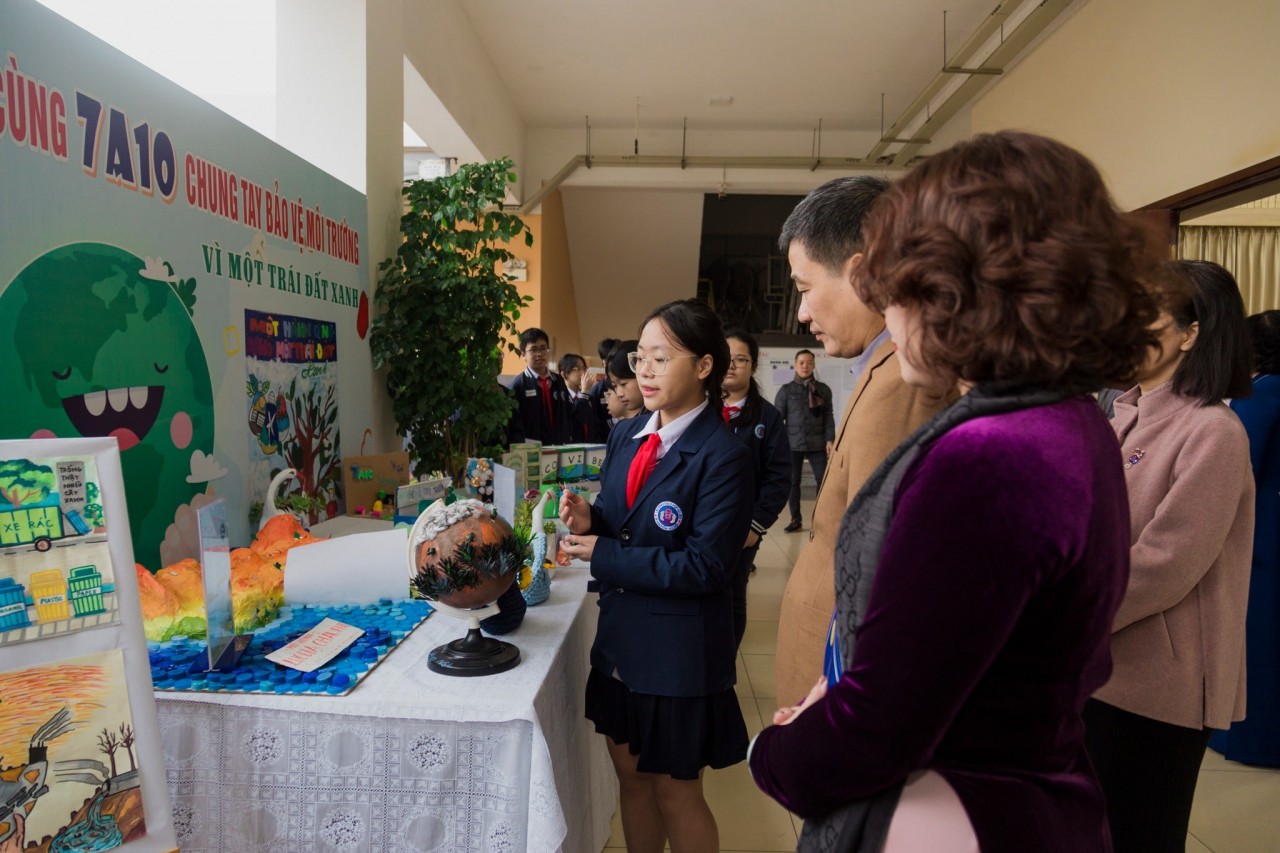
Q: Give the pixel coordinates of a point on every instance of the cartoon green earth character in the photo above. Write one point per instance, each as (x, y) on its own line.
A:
(96, 342)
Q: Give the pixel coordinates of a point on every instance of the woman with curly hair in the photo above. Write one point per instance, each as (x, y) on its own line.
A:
(979, 568)
(1178, 641)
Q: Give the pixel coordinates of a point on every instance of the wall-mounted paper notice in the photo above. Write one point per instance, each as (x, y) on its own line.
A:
(316, 647)
(357, 569)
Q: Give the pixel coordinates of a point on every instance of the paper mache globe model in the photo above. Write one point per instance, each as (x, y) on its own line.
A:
(462, 557)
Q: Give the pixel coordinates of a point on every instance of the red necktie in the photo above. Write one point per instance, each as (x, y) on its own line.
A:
(646, 459)
(726, 413)
(545, 382)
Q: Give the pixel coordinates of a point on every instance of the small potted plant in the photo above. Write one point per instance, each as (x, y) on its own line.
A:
(308, 509)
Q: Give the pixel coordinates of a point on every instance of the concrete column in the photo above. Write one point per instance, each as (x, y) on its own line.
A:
(384, 163)
(340, 105)
(320, 83)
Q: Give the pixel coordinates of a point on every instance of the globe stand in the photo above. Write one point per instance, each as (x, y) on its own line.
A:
(474, 654)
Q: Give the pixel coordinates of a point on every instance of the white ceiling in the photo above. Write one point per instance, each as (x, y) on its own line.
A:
(786, 63)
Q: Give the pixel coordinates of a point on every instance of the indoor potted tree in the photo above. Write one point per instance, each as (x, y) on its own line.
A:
(447, 313)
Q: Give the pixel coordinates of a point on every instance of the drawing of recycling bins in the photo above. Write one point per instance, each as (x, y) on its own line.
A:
(85, 588)
(13, 605)
(49, 595)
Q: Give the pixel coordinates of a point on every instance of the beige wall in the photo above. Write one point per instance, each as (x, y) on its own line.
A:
(550, 283)
(1163, 95)
(531, 286)
(559, 304)
(632, 250)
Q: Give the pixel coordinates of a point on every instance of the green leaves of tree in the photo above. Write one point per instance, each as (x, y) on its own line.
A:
(445, 310)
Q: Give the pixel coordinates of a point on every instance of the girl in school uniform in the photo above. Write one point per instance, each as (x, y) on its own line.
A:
(600, 386)
(664, 539)
(621, 382)
(573, 368)
(759, 426)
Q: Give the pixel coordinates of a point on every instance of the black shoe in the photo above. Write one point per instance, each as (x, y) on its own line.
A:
(793, 527)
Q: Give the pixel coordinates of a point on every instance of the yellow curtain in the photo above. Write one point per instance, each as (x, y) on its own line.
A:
(1251, 253)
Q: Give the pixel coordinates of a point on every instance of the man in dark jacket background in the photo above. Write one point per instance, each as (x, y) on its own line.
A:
(805, 406)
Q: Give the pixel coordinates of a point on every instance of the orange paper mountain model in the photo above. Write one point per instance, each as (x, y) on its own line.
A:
(173, 599)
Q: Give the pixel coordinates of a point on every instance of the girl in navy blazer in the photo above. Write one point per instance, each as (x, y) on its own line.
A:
(664, 548)
(759, 426)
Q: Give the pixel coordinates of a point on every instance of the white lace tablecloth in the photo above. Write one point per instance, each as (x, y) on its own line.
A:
(410, 760)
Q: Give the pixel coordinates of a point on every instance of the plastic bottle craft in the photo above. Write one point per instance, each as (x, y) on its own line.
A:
(539, 587)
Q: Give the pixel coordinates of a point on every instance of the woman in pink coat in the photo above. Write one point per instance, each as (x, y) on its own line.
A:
(1178, 639)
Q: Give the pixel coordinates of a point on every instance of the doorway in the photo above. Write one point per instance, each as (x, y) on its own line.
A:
(1233, 221)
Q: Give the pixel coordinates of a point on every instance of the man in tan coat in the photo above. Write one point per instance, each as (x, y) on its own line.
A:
(823, 241)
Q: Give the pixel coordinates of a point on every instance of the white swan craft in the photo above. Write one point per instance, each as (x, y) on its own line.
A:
(269, 508)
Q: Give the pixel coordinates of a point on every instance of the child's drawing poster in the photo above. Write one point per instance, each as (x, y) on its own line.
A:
(292, 395)
(56, 573)
(69, 757)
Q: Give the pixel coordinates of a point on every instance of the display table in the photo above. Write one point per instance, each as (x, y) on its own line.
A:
(410, 760)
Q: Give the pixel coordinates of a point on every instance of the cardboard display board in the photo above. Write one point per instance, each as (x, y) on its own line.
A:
(78, 714)
(367, 475)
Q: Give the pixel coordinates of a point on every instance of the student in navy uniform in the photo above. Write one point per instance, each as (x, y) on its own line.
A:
(664, 538)
(573, 368)
(543, 409)
(758, 425)
(613, 403)
(622, 381)
(604, 349)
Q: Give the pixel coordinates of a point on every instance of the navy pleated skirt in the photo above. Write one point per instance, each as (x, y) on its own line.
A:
(676, 736)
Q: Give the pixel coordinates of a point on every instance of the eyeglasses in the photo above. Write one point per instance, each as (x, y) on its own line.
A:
(740, 360)
(657, 363)
(538, 350)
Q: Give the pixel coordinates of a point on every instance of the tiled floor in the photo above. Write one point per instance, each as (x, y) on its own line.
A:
(1237, 808)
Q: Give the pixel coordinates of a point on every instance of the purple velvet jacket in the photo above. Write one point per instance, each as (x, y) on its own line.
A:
(986, 631)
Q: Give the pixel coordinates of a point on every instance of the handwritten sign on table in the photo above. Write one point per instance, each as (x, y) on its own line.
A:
(316, 647)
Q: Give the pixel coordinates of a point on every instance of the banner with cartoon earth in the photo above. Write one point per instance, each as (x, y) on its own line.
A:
(140, 224)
